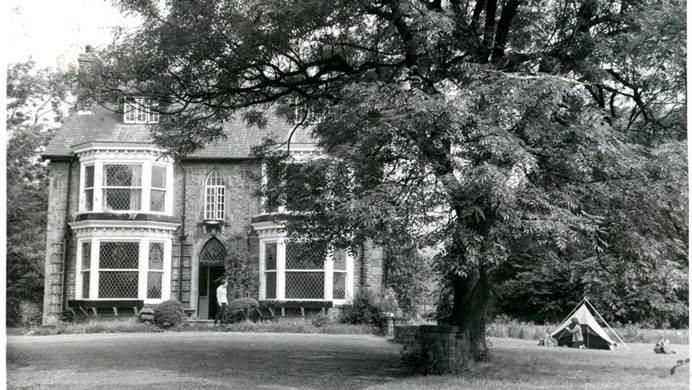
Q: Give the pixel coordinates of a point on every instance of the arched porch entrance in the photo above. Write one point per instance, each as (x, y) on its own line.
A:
(210, 276)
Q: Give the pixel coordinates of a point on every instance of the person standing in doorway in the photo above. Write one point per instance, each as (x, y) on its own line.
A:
(222, 300)
(577, 338)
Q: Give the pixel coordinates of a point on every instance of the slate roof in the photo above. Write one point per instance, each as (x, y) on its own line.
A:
(103, 125)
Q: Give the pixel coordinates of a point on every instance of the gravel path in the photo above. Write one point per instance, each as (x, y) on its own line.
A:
(201, 360)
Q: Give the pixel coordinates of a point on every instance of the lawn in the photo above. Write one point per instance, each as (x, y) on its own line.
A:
(521, 364)
(229, 360)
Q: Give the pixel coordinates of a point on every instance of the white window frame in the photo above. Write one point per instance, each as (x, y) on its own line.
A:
(281, 271)
(139, 110)
(83, 192)
(143, 268)
(164, 188)
(98, 201)
(214, 196)
(149, 270)
(105, 187)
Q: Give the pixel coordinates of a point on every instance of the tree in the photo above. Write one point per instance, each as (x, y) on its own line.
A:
(461, 124)
(37, 100)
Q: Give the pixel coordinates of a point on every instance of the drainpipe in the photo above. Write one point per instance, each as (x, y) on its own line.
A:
(66, 237)
(181, 236)
(362, 265)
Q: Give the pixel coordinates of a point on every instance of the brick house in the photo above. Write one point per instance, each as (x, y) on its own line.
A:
(127, 224)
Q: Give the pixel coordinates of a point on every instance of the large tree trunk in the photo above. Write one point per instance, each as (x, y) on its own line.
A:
(469, 311)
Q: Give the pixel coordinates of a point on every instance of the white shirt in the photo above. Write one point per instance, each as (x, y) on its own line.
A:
(221, 295)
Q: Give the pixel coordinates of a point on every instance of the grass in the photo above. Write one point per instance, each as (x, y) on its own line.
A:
(630, 334)
(132, 325)
(124, 325)
(522, 365)
(287, 325)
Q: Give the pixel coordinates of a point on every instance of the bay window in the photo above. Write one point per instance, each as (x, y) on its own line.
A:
(304, 271)
(123, 268)
(136, 186)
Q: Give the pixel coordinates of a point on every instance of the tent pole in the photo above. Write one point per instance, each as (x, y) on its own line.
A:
(606, 323)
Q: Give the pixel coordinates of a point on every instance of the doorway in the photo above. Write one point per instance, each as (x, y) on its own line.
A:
(210, 277)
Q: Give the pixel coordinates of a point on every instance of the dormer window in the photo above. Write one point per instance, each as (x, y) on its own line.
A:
(214, 197)
(140, 110)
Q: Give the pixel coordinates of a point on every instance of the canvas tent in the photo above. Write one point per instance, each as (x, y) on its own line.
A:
(594, 335)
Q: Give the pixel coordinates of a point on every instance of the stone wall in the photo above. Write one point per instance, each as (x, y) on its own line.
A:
(56, 245)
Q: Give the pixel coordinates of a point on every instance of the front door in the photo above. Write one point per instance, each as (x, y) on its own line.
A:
(210, 277)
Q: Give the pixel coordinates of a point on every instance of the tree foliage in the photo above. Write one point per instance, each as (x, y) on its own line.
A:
(36, 104)
(471, 126)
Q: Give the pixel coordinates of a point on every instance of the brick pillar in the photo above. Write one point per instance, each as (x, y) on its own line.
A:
(442, 349)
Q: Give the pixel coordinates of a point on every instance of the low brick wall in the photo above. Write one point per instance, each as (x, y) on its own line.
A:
(406, 334)
(434, 349)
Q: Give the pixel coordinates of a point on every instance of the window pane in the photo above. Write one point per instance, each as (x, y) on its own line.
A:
(270, 285)
(141, 114)
(339, 291)
(155, 255)
(86, 255)
(270, 255)
(123, 175)
(85, 285)
(305, 255)
(158, 200)
(340, 260)
(305, 285)
(89, 200)
(122, 198)
(119, 255)
(158, 177)
(118, 284)
(89, 176)
(154, 280)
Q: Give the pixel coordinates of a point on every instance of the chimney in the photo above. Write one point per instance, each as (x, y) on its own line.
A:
(86, 63)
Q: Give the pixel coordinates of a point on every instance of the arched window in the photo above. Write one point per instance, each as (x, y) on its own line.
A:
(213, 252)
(214, 197)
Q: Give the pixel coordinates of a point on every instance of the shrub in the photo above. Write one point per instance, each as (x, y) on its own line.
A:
(168, 313)
(30, 313)
(242, 309)
(320, 320)
(365, 309)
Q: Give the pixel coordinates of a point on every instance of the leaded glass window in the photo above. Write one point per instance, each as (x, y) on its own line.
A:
(213, 252)
(118, 270)
(340, 273)
(270, 270)
(300, 257)
(122, 187)
(85, 265)
(155, 276)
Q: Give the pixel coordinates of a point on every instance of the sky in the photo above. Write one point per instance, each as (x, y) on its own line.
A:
(54, 32)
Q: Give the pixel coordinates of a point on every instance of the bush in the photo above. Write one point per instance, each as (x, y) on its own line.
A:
(242, 309)
(365, 309)
(168, 313)
(30, 313)
(320, 320)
